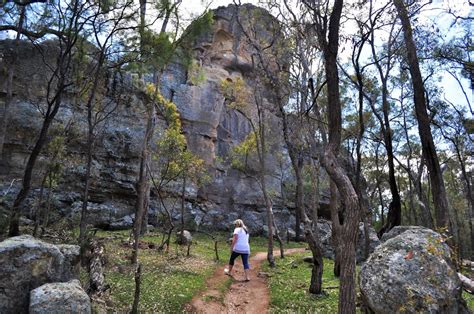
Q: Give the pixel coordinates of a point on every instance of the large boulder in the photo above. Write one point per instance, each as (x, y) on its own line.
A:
(60, 297)
(411, 273)
(27, 263)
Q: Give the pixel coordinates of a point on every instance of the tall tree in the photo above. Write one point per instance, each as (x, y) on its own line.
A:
(327, 32)
(99, 100)
(70, 24)
(384, 64)
(430, 155)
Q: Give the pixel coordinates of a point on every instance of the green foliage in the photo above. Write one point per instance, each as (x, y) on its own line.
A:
(196, 73)
(236, 92)
(241, 154)
(168, 280)
(56, 154)
(175, 159)
(289, 283)
(157, 49)
(469, 300)
(197, 27)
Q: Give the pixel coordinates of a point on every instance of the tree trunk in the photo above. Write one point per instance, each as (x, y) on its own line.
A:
(14, 229)
(347, 232)
(143, 186)
(85, 198)
(297, 164)
(328, 39)
(136, 297)
(38, 207)
(429, 151)
(334, 231)
(268, 205)
(97, 283)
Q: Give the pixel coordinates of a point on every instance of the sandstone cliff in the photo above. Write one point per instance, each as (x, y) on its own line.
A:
(211, 128)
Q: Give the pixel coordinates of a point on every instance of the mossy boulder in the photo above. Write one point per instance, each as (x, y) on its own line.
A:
(411, 273)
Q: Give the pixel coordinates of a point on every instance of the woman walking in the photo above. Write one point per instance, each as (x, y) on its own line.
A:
(239, 246)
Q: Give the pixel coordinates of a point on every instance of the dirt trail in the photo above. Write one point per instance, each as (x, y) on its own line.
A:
(241, 296)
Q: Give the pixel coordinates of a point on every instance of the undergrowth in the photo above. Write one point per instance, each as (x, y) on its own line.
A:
(169, 280)
(289, 283)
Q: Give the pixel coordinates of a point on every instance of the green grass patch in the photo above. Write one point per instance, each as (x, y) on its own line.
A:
(469, 300)
(169, 280)
(289, 283)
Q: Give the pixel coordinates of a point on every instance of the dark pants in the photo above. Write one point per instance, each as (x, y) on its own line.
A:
(245, 259)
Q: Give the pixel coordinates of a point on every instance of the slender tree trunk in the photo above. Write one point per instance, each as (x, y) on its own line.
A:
(438, 189)
(48, 206)
(183, 192)
(335, 218)
(14, 229)
(85, 198)
(347, 231)
(143, 186)
(268, 204)
(39, 206)
(136, 296)
(312, 236)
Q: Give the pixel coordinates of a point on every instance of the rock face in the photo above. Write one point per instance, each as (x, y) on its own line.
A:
(60, 297)
(27, 263)
(211, 127)
(411, 273)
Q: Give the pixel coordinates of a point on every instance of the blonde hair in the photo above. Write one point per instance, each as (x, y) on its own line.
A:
(239, 223)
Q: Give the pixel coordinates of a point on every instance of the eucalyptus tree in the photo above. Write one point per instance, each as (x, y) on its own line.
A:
(65, 23)
(296, 101)
(105, 23)
(326, 26)
(384, 63)
(251, 155)
(438, 190)
(156, 51)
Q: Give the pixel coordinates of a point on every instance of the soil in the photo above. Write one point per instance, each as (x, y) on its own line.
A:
(241, 296)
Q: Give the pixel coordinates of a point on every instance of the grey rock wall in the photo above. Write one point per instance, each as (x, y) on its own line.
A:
(210, 126)
(27, 263)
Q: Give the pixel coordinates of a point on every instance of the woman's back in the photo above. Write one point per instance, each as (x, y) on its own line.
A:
(242, 244)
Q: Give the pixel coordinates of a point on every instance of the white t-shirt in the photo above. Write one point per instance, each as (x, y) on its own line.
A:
(242, 244)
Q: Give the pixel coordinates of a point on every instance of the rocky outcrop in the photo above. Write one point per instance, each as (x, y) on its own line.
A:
(58, 298)
(27, 263)
(211, 127)
(411, 273)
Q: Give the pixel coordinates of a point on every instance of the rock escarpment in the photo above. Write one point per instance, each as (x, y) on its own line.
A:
(211, 127)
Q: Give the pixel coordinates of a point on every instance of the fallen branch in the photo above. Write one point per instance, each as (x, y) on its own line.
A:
(468, 284)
